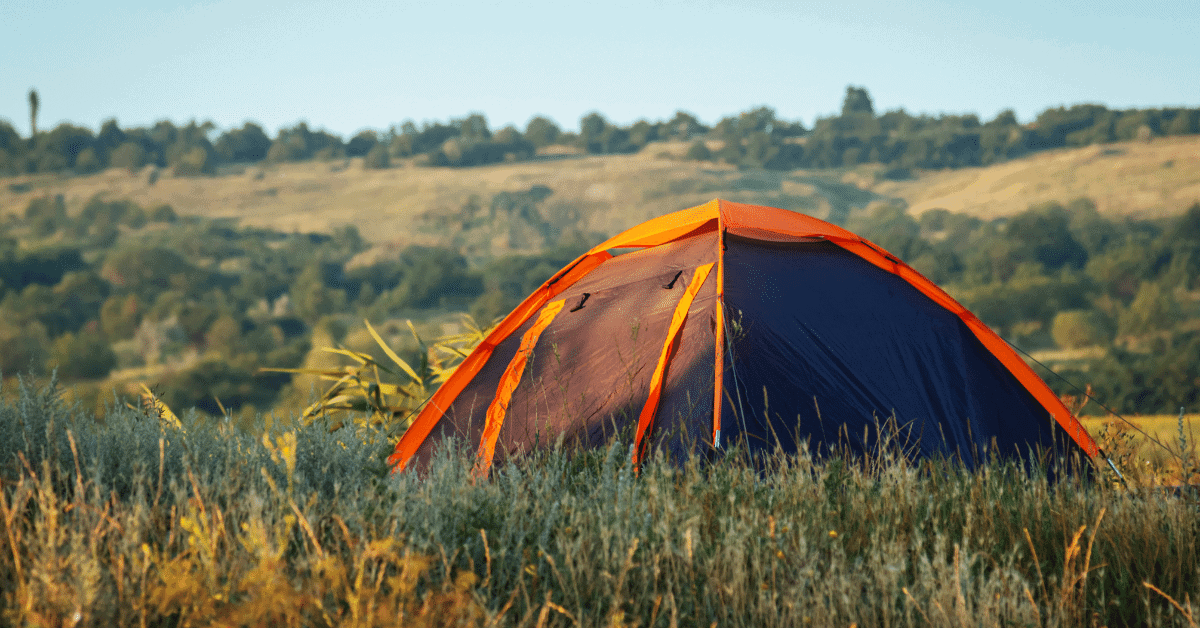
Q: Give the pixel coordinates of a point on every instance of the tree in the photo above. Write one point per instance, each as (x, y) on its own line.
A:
(1073, 329)
(11, 148)
(163, 213)
(22, 346)
(249, 143)
(683, 126)
(473, 128)
(542, 131)
(87, 162)
(1186, 231)
(34, 104)
(642, 133)
(149, 271)
(591, 132)
(193, 162)
(59, 148)
(1182, 123)
(129, 155)
(361, 144)
(82, 356)
(224, 335)
(1005, 118)
(857, 101)
(698, 151)
(312, 298)
(110, 136)
(120, 316)
(1153, 309)
(509, 144)
(46, 215)
(1045, 231)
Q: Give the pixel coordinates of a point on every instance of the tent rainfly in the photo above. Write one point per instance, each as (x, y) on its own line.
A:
(738, 323)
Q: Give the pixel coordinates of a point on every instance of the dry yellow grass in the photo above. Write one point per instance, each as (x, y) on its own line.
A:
(1151, 450)
(1152, 179)
(615, 192)
(1164, 427)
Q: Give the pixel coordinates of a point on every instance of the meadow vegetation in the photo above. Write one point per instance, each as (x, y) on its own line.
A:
(137, 520)
(256, 507)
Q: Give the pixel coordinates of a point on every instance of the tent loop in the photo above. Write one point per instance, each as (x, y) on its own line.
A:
(581, 302)
(673, 280)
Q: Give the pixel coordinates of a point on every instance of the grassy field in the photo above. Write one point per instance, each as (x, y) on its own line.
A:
(614, 192)
(1159, 450)
(1158, 178)
(132, 521)
(137, 522)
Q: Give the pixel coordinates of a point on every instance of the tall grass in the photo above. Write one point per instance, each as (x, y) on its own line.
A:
(139, 522)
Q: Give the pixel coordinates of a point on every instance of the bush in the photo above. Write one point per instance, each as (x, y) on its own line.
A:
(120, 316)
(87, 162)
(698, 151)
(1073, 329)
(83, 356)
(129, 155)
(22, 347)
(193, 162)
(1153, 309)
(163, 213)
(377, 158)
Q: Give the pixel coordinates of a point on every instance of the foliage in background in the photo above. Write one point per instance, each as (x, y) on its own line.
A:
(135, 521)
(387, 402)
(752, 139)
(114, 294)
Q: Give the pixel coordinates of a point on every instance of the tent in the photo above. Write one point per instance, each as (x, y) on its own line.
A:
(731, 323)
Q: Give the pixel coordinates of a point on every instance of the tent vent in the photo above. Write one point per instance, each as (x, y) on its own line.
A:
(581, 302)
(676, 278)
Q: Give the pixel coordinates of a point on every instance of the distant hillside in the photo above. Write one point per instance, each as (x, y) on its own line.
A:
(1147, 179)
(602, 194)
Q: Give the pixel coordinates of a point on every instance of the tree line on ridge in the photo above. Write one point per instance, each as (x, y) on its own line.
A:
(757, 138)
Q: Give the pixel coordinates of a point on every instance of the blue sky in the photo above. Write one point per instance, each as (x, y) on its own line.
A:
(349, 65)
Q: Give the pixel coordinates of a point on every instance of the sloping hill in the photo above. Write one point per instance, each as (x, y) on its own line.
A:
(1158, 178)
(605, 194)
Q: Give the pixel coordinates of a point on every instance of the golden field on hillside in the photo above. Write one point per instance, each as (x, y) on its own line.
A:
(614, 192)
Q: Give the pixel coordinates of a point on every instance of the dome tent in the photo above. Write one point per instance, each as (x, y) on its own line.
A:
(740, 323)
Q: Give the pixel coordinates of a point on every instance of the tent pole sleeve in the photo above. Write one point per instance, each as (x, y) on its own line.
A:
(646, 419)
(508, 383)
(437, 405)
(719, 338)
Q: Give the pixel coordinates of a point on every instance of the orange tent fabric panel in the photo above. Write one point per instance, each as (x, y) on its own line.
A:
(650, 410)
(436, 407)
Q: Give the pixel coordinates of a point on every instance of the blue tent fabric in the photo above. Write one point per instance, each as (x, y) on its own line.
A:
(825, 346)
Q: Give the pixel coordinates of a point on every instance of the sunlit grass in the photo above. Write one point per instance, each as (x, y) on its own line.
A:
(140, 522)
(1151, 450)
